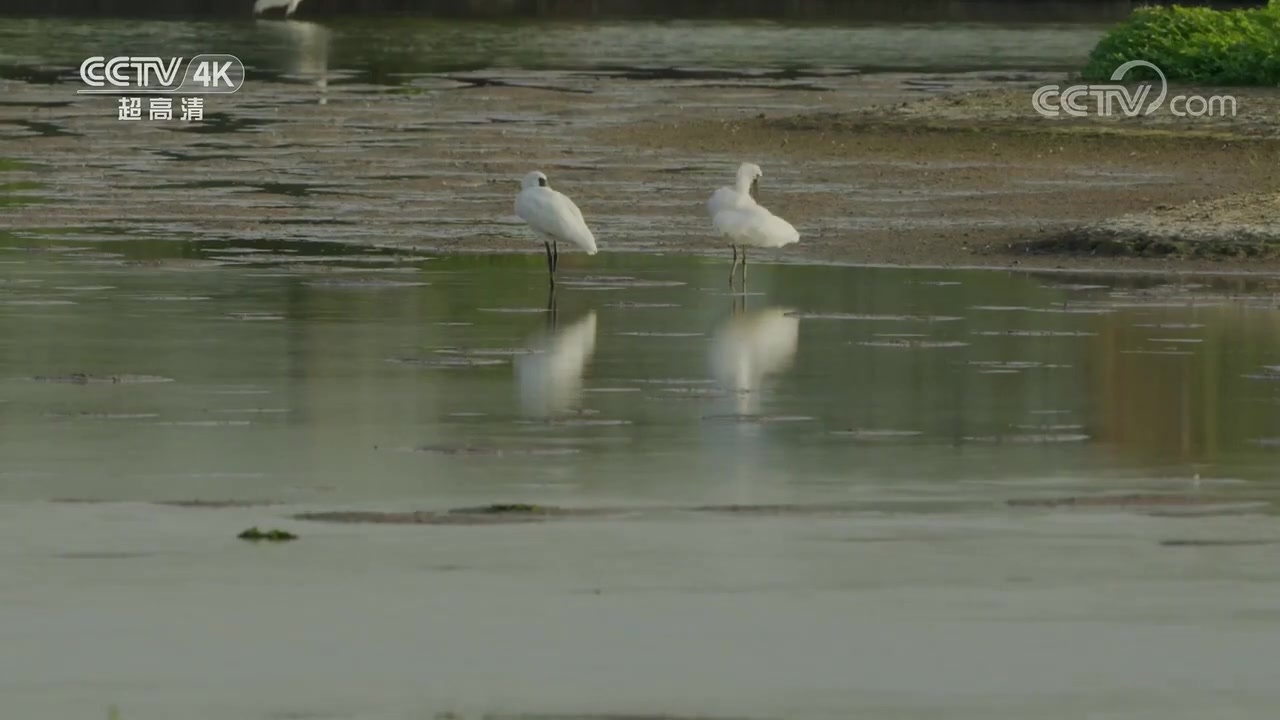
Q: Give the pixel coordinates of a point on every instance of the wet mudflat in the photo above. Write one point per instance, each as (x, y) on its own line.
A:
(820, 497)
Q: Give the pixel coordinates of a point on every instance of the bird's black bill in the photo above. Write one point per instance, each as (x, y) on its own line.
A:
(755, 189)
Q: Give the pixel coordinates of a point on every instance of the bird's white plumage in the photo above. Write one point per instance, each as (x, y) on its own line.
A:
(738, 194)
(551, 214)
(737, 215)
(755, 226)
(550, 378)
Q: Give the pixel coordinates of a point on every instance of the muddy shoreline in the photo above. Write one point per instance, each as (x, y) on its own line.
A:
(1202, 197)
(947, 170)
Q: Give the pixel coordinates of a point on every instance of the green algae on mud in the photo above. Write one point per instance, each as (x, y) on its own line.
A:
(253, 534)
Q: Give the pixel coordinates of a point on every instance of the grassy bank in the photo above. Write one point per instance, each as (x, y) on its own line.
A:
(1195, 44)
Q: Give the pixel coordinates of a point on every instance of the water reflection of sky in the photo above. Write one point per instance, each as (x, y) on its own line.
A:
(444, 379)
(386, 51)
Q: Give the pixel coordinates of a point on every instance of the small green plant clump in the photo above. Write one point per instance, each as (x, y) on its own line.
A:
(255, 535)
(1194, 44)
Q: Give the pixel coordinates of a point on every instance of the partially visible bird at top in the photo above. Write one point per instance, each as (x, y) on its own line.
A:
(263, 5)
(737, 216)
(553, 218)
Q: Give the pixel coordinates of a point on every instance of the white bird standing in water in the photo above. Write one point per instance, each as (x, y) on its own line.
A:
(737, 216)
(553, 217)
(289, 5)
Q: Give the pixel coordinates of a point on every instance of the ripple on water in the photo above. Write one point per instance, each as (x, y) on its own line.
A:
(86, 379)
(489, 451)
(610, 282)
(204, 423)
(692, 392)
(483, 352)
(641, 305)
(1031, 438)
(871, 434)
(1073, 286)
(758, 419)
(530, 310)
(872, 317)
(101, 416)
(449, 362)
(1014, 365)
(575, 422)
(1034, 333)
(370, 284)
(660, 334)
(908, 344)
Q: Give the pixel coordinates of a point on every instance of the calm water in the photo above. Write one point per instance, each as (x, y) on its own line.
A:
(392, 51)
(373, 378)
(915, 402)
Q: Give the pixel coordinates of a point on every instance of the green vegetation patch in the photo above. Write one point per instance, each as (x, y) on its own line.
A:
(15, 193)
(1194, 44)
(255, 535)
(505, 508)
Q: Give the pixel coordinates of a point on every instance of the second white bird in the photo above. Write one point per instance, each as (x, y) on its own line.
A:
(737, 216)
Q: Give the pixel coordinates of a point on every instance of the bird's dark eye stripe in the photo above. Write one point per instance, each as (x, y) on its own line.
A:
(542, 182)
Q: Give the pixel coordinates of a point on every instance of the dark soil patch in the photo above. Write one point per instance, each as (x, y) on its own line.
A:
(1217, 543)
(1134, 500)
(496, 514)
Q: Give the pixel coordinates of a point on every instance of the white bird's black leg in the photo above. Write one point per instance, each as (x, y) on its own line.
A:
(744, 268)
(551, 266)
(555, 260)
(734, 267)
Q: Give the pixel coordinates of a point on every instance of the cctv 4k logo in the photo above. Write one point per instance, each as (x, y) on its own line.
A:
(203, 74)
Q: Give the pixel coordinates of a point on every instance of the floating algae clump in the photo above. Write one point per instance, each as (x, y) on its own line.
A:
(1194, 44)
(255, 535)
(508, 508)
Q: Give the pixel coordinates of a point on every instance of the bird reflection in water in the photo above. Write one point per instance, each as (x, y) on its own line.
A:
(549, 379)
(308, 51)
(749, 347)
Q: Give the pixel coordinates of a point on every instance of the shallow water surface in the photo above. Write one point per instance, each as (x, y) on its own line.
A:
(280, 373)
(394, 50)
(888, 491)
